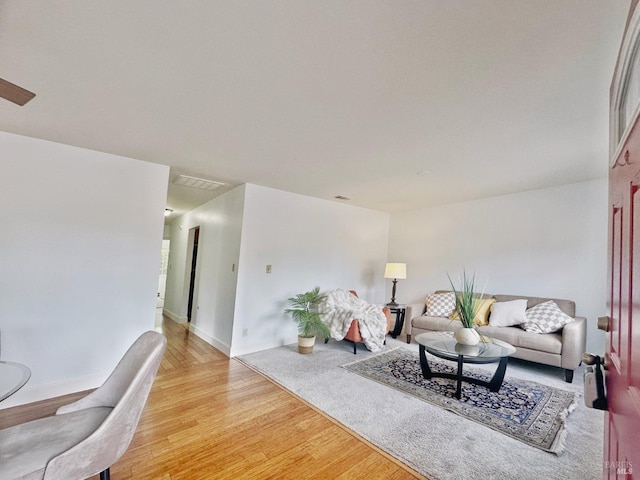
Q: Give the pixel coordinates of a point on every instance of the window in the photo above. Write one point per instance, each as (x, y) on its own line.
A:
(630, 95)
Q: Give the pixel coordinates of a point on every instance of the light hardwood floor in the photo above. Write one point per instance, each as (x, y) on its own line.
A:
(211, 417)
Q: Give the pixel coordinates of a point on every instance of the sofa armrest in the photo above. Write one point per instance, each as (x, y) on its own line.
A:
(574, 343)
(413, 310)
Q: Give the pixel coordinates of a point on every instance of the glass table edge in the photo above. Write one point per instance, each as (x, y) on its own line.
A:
(469, 358)
(26, 375)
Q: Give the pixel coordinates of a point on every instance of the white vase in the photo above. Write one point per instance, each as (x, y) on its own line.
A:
(467, 336)
(467, 350)
(305, 344)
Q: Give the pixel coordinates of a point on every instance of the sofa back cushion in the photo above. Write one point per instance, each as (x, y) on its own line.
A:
(567, 306)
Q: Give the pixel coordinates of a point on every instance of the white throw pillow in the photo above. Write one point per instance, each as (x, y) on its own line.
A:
(507, 314)
(441, 304)
(546, 318)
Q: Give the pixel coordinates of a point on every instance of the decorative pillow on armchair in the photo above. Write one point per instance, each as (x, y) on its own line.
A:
(546, 318)
(440, 304)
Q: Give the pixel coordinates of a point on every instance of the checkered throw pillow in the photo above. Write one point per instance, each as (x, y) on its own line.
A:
(440, 304)
(545, 318)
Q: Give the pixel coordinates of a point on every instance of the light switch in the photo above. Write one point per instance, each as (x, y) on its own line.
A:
(268, 268)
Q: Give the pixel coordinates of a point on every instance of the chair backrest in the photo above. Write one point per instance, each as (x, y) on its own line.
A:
(126, 391)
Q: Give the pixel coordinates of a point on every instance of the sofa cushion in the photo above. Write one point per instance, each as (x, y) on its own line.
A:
(440, 304)
(545, 318)
(507, 314)
(443, 324)
(482, 314)
(550, 343)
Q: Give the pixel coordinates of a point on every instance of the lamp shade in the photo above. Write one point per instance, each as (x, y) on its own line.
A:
(395, 270)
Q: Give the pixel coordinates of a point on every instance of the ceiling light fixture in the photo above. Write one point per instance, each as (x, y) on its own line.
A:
(167, 212)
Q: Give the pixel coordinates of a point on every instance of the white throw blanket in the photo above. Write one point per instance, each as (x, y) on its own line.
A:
(341, 307)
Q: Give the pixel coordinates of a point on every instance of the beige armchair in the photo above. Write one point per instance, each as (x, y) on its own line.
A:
(88, 436)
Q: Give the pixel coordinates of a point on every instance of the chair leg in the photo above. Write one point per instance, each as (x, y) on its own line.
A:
(105, 475)
(355, 344)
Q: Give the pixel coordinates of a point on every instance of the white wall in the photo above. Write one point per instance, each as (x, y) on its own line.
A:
(309, 242)
(549, 243)
(220, 222)
(81, 233)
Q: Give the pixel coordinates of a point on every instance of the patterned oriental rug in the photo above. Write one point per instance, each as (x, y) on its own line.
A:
(527, 411)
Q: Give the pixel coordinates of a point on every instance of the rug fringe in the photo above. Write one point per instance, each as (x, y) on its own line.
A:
(559, 444)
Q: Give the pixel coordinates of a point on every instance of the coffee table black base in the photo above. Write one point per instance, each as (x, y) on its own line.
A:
(493, 385)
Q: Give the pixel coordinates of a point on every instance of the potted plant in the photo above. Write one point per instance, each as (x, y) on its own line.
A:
(467, 305)
(304, 310)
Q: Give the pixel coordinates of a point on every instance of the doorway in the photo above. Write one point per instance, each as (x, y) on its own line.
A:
(164, 265)
(194, 237)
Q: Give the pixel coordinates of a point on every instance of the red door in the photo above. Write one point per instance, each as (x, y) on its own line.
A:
(622, 423)
(622, 357)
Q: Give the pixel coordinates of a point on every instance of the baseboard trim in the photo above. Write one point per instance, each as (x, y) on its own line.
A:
(218, 345)
(174, 317)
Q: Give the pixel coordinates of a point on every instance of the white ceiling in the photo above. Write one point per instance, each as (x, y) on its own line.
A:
(324, 97)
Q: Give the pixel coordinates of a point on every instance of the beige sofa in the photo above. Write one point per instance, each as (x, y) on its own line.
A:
(559, 349)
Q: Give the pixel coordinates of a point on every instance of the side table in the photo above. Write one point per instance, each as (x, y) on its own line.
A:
(400, 311)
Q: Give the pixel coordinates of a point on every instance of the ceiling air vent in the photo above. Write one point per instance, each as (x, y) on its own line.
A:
(194, 182)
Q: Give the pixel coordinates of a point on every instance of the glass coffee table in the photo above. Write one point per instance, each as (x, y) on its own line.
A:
(443, 345)
(13, 376)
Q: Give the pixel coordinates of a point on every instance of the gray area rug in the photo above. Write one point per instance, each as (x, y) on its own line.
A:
(435, 442)
(528, 411)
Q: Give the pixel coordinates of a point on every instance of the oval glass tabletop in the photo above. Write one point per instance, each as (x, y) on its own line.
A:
(444, 345)
(13, 376)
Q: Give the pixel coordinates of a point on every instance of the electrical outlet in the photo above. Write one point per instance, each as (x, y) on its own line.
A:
(268, 268)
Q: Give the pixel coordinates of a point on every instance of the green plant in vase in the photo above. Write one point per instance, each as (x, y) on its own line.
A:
(467, 305)
(304, 310)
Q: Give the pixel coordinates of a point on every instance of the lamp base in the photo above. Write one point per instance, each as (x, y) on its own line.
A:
(393, 303)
